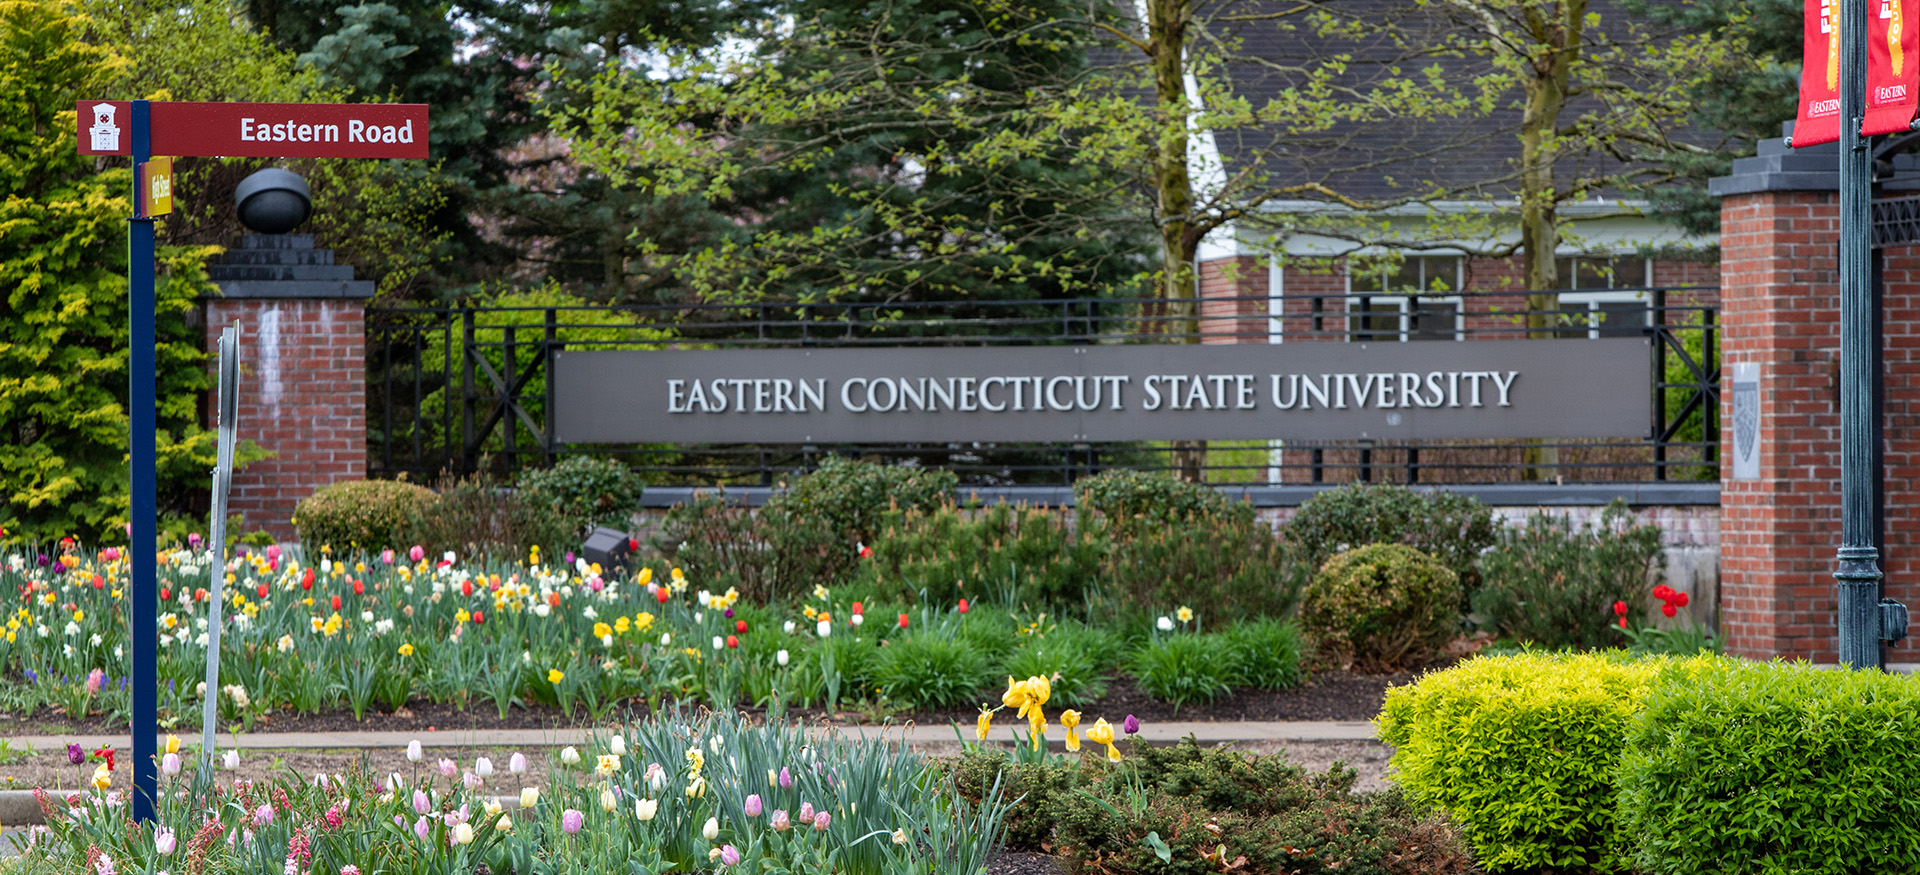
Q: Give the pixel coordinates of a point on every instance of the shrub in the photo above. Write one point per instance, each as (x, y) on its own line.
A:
(720, 543)
(1522, 752)
(1074, 658)
(1264, 653)
(373, 514)
(1381, 607)
(1009, 554)
(1184, 668)
(1042, 791)
(931, 670)
(1221, 564)
(1780, 767)
(1137, 499)
(1555, 586)
(1219, 810)
(474, 516)
(588, 491)
(1452, 528)
(814, 525)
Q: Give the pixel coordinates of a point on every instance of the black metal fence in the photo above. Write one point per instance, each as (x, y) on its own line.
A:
(464, 390)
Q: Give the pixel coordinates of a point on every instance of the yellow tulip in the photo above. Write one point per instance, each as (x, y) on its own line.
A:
(173, 743)
(1039, 690)
(1015, 696)
(1101, 733)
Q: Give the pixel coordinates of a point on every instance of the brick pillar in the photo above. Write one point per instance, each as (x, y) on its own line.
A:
(1233, 300)
(1779, 294)
(303, 371)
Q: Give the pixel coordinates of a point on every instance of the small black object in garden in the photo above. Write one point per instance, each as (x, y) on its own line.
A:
(273, 201)
(609, 548)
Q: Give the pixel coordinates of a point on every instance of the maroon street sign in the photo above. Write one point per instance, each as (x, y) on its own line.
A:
(259, 130)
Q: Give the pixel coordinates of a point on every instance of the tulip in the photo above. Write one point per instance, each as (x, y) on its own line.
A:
(1165, 624)
(963, 606)
(483, 767)
(75, 755)
(504, 824)
(823, 628)
(787, 627)
(822, 820)
(529, 797)
(173, 743)
(753, 808)
(423, 828)
(711, 830)
(569, 756)
(263, 815)
(417, 553)
(517, 764)
(617, 745)
(414, 753)
(645, 809)
(463, 834)
(571, 821)
(739, 626)
(729, 855)
(1620, 608)
(1130, 725)
(806, 812)
(421, 804)
(903, 621)
(230, 760)
(786, 778)
(448, 768)
(718, 642)
(779, 821)
(164, 841)
(170, 765)
(608, 801)
(733, 641)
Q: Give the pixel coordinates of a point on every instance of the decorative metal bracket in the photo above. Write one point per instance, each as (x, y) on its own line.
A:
(1893, 620)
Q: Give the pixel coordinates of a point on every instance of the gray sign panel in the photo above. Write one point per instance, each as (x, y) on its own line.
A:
(1746, 421)
(1304, 391)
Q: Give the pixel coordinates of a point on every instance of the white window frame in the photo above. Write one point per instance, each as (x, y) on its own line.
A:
(1591, 299)
(1404, 334)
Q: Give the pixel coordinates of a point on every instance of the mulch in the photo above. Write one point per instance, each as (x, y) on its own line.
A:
(1328, 695)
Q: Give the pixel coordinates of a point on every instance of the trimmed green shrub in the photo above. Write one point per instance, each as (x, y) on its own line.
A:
(1774, 767)
(1555, 586)
(931, 670)
(1523, 751)
(1003, 553)
(1380, 607)
(1138, 499)
(1452, 528)
(1264, 653)
(1221, 564)
(369, 514)
(474, 516)
(1183, 668)
(588, 491)
(816, 525)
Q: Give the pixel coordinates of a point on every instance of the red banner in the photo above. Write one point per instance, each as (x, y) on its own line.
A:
(1819, 118)
(1893, 90)
(259, 130)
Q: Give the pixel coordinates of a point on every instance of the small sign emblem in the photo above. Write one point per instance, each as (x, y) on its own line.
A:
(105, 132)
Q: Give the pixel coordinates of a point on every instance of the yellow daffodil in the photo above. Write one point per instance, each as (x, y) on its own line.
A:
(1184, 614)
(820, 592)
(461, 616)
(555, 676)
(406, 650)
(621, 625)
(642, 621)
(602, 630)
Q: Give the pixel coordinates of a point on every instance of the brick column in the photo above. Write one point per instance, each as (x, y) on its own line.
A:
(303, 371)
(1779, 296)
(1233, 305)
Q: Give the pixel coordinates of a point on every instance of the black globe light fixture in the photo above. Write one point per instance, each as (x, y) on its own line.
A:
(273, 201)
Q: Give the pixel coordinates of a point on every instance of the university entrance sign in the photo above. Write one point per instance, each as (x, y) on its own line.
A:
(1305, 391)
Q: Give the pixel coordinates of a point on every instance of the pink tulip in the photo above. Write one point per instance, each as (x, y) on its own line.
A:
(729, 855)
(822, 820)
(386, 556)
(417, 553)
(753, 805)
(571, 821)
(786, 778)
(779, 822)
(448, 768)
(806, 812)
(421, 805)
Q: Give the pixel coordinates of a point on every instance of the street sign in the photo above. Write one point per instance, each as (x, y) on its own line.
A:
(156, 179)
(260, 130)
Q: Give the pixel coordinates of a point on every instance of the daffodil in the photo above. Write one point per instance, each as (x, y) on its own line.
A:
(406, 650)
(555, 676)
(1184, 614)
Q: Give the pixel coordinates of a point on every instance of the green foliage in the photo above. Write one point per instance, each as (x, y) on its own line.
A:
(1075, 658)
(931, 670)
(1221, 564)
(1215, 809)
(368, 514)
(1030, 554)
(1181, 669)
(1555, 586)
(721, 543)
(1383, 606)
(1043, 790)
(588, 490)
(816, 525)
(1522, 751)
(1781, 767)
(1453, 528)
(1265, 653)
(476, 517)
(1132, 500)
(63, 262)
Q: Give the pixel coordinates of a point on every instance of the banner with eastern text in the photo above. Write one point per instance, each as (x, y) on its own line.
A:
(1893, 89)
(1819, 118)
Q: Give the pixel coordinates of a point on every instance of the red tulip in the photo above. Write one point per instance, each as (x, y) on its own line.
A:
(740, 626)
(99, 582)
(963, 606)
(857, 608)
(306, 580)
(1668, 609)
(165, 593)
(903, 621)
(1680, 599)
(1623, 622)
(466, 588)
(661, 594)
(359, 588)
(633, 544)
(479, 618)
(553, 600)
(733, 641)
(1620, 608)
(261, 589)
(336, 603)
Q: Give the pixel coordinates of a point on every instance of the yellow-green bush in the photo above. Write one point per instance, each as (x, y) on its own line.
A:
(372, 514)
(1775, 767)
(1383, 606)
(1523, 752)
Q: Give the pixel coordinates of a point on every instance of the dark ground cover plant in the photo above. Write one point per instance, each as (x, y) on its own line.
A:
(475, 516)
(1003, 553)
(1380, 607)
(1555, 585)
(1185, 809)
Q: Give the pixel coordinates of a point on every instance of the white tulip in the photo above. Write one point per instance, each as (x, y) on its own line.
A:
(617, 745)
(712, 830)
(781, 657)
(1165, 624)
(483, 767)
(414, 753)
(823, 628)
(569, 756)
(230, 760)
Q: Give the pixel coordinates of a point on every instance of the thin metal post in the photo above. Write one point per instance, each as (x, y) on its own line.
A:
(1858, 572)
(466, 390)
(143, 608)
(509, 433)
(551, 348)
(1659, 352)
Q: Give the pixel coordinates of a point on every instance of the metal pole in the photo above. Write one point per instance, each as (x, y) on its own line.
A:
(1858, 573)
(143, 608)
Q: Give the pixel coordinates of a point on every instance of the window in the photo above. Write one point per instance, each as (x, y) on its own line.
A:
(1411, 302)
(1603, 301)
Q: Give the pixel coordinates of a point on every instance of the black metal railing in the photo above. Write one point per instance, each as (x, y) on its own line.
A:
(463, 389)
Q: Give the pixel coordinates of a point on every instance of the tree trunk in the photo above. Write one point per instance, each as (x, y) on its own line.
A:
(1556, 31)
(1166, 50)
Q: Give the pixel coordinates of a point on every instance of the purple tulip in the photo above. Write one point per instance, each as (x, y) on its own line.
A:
(729, 613)
(75, 755)
(753, 805)
(571, 821)
(786, 778)
(193, 541)
(1131, 725)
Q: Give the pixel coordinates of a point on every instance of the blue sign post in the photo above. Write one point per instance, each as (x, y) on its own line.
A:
(143, 601)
